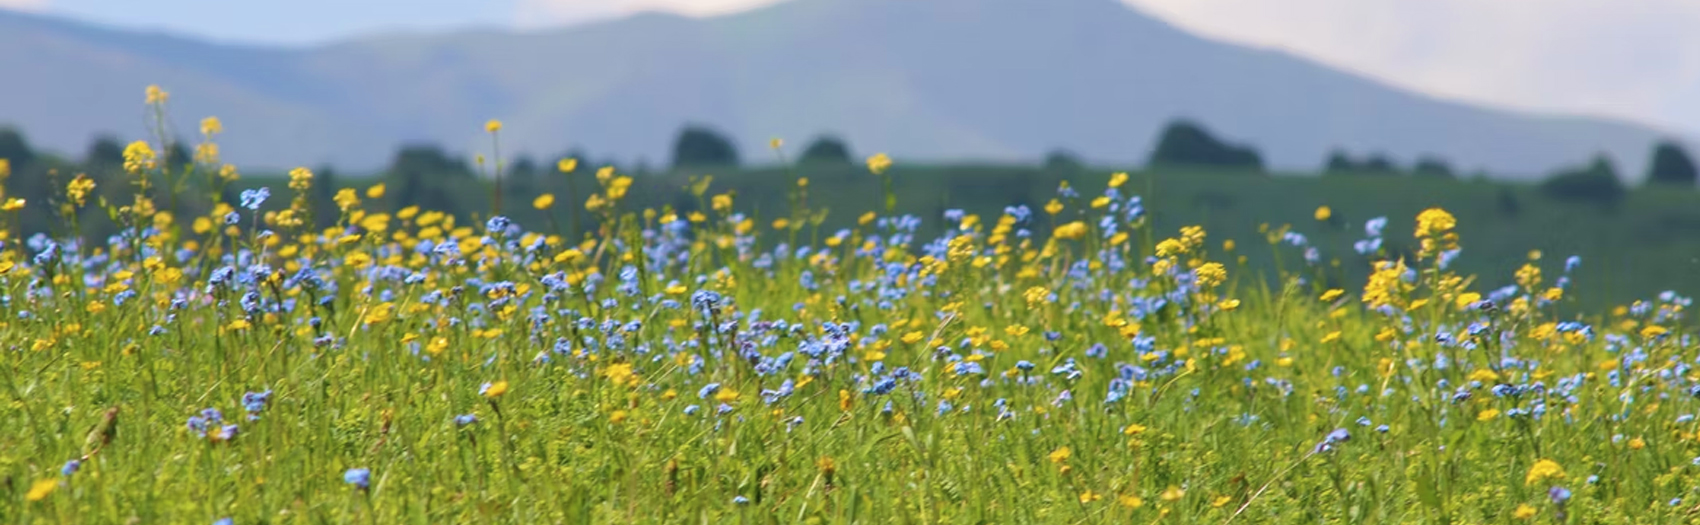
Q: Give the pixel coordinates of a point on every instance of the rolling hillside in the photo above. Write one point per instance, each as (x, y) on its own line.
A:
(939, 80)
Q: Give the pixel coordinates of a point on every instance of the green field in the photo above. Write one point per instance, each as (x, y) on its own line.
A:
(757, 349)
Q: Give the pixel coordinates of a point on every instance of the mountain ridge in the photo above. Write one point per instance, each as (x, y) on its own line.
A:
(1001, 80)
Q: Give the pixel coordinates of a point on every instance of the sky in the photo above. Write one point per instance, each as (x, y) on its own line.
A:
(1631, 59)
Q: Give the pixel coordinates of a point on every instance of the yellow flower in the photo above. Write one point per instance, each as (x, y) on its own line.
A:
(138, 157)
(775, 142)
(493, 126)
(1387, 285)
(496, 389)
(1060, 455)
(155, 95)
(41, 489)
(617, 187)
(544, 201)
(726, 395)
(1467, 299)
(5, 168)
(1529, 276)
(1070, 231)
(1543, 470)
(1323, 213)
(1650, 332)
(1117, 179)
(300, 179)
(1210, 274)
(1434, 232)
(1523, 512)
(346, 199)
(879, 163)
(1036, 295)
(211, 126)
(1170, 248)
(1130, 501)
(620, 374)
(566, 165)
(1089, 496)
(13, 204)
(376, 191)
(1484, 375)
(79, 188)
(1435, 221)
(1487, 415)
(1330, 295)
(1054, 207)
(1173, 493)
(1637, 444)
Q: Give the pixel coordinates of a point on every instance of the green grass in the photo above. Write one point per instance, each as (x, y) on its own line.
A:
(1226, 420)
(675, 355)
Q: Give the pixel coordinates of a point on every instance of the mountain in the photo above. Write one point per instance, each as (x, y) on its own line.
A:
(922, 80)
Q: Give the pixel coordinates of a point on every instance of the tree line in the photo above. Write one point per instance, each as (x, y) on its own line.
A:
(432, 177)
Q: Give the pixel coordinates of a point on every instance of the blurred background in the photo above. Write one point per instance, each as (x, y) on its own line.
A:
(1558, 125)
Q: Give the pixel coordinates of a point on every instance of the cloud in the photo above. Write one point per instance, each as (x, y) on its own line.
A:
(533, 13)
(1637, 60)
(24, 5)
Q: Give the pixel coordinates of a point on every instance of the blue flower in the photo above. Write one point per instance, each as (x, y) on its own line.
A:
(1339, 435)
(254, 402)
(359, 477)
(252, 199)
(1374, 226)
(71, 467)
(740, 500)
(465, 419)
(1558, 495)
(225, 521)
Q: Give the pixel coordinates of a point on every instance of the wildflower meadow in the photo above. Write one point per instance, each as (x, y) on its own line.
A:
(1068, 362)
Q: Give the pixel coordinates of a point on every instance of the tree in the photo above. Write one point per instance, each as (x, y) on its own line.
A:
(1597, 182)
(15, 148)
(826, 149)
(177, 157)
(1063, 161)
(1431, 166)
(1671, 165)
(421, 171)
(522, 178)
(104, 151)
(1185, 143)
(1507, 203)
(699, 146)
(1379, 164)
(1339, 162)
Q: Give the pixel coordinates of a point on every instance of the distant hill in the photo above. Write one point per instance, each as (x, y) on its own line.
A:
(933, 80)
